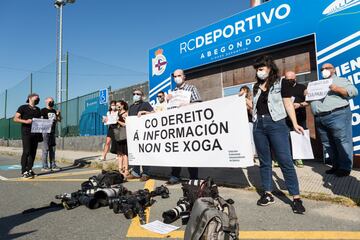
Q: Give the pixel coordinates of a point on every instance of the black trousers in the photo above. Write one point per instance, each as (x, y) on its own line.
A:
(30, 144)
(193, 172)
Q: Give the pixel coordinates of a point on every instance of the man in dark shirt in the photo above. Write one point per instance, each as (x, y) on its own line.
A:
(138, 108)
(24, 115)
(49, 142)
(298, 97)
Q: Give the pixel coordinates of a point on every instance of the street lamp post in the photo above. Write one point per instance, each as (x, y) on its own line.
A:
(59, 4)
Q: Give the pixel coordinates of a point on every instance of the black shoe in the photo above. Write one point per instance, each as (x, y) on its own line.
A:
(342, 173)
(297, 206)
(331, 171)
(27, 174)
(173, 181)
(266, 199)
(32, 172)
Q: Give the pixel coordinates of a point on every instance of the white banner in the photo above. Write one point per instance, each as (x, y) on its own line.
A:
(40, 125)
(301, 145)
(179, 98)
(318, 89)
(209, 134)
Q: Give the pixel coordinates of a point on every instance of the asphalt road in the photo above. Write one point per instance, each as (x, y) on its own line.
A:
(256, 222)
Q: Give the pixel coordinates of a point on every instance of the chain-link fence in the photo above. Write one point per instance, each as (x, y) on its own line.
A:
(80, 115)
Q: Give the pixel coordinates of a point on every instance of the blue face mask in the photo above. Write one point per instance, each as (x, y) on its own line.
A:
(136, 98)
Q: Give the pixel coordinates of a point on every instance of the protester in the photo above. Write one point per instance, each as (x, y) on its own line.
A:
(179, 78)
(249, 105)
(297, 91)
(120, 147)
(272, 100)
(24, 115)
(333, 121)
(49, 139)
(113, 111)
(161, 104)
(138, 108)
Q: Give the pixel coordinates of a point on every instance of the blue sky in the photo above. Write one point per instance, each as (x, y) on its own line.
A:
(113, 32)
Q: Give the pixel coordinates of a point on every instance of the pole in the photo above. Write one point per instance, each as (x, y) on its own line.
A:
(31, 83)
(67, 92)
(59, 76)
(5, 107)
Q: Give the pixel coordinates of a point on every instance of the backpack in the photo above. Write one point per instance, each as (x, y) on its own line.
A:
(212, 219)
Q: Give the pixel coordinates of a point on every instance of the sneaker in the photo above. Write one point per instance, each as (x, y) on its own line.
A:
(297, 206)
(299, 163)
(173, 181)
(27, 175)
(276, 164)
(144, 178)
(56, 168)
(342, 173)
(331, 171)
(32, 172)
(45, 169)
(266, 199)
(101, 159)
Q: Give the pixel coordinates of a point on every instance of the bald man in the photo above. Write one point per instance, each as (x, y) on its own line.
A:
(49, 142)
(333, 121)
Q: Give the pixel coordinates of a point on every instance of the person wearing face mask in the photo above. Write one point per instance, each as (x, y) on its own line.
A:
(333, 121)
(24, 115)
(113, 111)
(179, 78)
(271, 104)
(297, 92)
(161, 104)
(49, 143)
(139, 108)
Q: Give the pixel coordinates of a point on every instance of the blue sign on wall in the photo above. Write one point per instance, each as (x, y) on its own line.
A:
(103, 96)
(335, 25)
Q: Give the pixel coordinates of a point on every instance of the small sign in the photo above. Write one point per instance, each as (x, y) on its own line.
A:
(103, 96)
(318, 89)
(40, 125)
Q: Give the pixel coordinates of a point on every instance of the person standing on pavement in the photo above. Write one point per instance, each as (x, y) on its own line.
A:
(333, 121)
(179, 78)
(271, 104)
(49, 139)
(113, 111)
(139, 108)
(24, 115)
(297, 91)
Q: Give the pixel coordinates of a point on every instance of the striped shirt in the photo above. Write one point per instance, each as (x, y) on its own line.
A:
(195, 96)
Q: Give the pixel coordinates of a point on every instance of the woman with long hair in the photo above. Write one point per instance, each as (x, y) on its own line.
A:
(271, 104)
(110, 135)
(120, 147)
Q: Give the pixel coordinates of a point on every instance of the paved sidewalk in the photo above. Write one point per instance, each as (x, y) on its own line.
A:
(313, 180)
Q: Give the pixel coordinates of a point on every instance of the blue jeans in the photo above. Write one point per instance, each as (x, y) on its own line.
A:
(335, 130)
(271, 136)
(136, 171)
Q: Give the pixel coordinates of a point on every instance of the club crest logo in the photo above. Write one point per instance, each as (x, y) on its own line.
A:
(159, 63)
(340, 5)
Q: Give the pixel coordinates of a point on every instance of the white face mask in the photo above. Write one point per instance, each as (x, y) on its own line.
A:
(262, 74)
(178, 80)
(136, 98)
(113, 108)
(326, 73)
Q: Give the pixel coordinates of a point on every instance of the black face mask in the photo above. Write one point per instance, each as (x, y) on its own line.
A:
(36, 102)
(51, 104)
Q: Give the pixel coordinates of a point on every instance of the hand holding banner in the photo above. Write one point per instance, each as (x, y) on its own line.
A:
(40, 125)
(205, 134)
(318, 89)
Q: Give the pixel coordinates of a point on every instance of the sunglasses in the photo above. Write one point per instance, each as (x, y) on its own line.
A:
(160, 96)
(139, 94)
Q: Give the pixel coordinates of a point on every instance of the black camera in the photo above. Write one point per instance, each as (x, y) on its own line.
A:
(181, 210)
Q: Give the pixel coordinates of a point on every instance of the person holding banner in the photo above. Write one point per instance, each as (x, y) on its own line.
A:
(138, 108)
(333, 121)
(108, 120)
(179, 78)
(49, 142)
(24, 115)
(271, 104)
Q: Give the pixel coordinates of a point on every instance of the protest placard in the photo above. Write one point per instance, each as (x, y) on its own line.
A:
(318, 89)
(111, 119)
(301, 145)
(207, 134)
(40, 125)
(179, 98)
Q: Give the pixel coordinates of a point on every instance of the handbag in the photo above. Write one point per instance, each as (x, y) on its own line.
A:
(119, 133)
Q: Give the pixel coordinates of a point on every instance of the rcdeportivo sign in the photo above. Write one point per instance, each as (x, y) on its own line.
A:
(334, 24)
